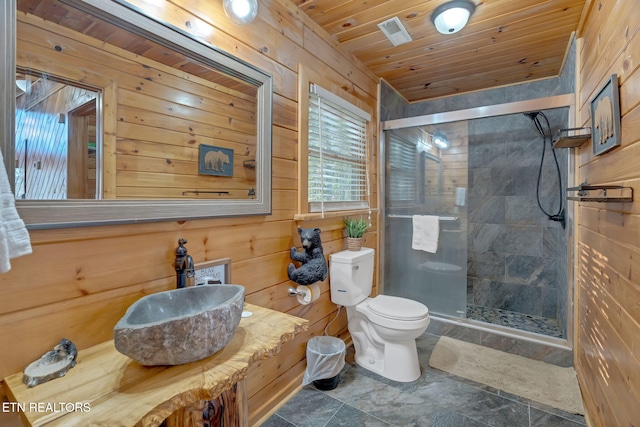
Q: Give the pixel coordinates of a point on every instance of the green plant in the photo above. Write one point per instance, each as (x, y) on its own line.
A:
(355, 227)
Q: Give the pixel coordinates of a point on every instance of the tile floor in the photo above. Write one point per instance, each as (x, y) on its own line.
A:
(363, 398)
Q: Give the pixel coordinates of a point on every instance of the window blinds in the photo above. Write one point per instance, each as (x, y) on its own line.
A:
(338, 175)
(403, 171)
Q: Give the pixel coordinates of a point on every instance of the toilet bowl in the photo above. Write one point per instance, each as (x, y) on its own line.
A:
(383, 328)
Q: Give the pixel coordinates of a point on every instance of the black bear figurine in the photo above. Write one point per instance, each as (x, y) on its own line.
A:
(314, 265)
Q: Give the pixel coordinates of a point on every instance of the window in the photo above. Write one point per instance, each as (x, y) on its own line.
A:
(338, 176)
(403, 171)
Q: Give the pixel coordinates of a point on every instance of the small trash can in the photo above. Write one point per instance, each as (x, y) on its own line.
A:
(325, 360)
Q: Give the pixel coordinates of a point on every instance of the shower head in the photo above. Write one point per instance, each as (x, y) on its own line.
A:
(532, 115)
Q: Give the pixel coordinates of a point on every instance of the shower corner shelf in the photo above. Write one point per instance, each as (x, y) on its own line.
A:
(572, 137)
(620, 194)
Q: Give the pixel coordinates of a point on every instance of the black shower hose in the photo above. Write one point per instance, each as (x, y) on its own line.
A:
(559, 216)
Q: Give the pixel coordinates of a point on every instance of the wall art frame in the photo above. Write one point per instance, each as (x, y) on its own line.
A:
(605, 117)
(214, 160)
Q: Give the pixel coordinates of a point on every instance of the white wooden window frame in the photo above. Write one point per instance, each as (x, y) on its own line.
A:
(307, 77)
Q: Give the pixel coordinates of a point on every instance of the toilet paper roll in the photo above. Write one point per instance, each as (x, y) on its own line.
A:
(308, 294)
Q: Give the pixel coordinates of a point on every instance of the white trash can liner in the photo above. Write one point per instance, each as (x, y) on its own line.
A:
(325, 358)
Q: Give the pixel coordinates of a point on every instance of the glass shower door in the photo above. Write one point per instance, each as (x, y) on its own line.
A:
(422, 178)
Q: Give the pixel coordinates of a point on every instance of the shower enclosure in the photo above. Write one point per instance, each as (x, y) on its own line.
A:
(490, 178)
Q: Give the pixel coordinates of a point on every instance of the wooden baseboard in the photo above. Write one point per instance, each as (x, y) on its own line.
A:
(588, 421)
(587, 398)
(296, 388)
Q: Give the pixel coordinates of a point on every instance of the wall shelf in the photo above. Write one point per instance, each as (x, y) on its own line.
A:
(572, 137)
(604, 193)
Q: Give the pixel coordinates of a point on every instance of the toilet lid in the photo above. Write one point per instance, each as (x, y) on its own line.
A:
(397, 308)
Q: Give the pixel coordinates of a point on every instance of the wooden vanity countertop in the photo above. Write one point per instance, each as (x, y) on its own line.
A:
(107, 388)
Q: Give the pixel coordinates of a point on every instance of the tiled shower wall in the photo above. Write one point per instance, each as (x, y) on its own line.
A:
(517, 258)
(515, 254)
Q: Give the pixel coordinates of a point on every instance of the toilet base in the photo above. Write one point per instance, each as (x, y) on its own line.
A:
(399, 362)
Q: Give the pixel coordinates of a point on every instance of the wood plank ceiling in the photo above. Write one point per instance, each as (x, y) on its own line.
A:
(505, 42)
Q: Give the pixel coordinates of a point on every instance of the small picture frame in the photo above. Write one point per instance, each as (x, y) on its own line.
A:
(605, 117)
(217, 271)
(216, 161)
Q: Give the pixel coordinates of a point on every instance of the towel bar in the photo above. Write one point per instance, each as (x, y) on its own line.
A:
(441, 218)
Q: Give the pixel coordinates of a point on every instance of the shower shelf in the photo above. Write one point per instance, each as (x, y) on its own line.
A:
(572, 137)
(621, 194)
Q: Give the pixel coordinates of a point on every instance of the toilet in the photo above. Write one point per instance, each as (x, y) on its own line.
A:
(384, 328)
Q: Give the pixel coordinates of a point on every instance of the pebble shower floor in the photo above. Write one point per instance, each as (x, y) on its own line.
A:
(525, 322)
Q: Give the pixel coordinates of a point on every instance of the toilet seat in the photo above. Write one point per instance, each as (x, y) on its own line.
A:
(383, 328)
(397, 308)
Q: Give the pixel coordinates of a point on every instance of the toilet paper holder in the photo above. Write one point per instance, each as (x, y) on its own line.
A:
(305, 294)
(293, 292)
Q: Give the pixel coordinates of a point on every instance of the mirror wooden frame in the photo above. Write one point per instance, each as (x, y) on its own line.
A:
(39, 214)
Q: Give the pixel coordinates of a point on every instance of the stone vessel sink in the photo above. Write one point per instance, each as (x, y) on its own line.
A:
(180, 326)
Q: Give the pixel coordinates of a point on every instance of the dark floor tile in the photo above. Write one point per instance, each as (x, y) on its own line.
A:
(309, 408)
(277, 421)
(545, 419)
(446, 392)
(497, 411)
(512, 396)
(348, 416)
(436, 399)
(425, 344)
(382, 400)
(453, 419)
(576, 418)
(467, 381)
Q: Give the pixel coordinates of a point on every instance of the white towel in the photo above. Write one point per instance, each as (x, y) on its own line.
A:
(14, 238)
(426, 230)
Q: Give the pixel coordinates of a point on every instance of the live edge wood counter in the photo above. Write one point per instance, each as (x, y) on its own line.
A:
(117, 391)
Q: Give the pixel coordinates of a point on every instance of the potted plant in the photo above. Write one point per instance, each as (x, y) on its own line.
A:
(354, 230)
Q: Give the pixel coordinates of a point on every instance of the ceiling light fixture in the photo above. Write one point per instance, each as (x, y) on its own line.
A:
(241, 12)
(440, 142)
(452, 16)
(439, 139)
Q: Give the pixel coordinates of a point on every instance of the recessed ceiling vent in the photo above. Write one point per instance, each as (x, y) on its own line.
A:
(395, 31)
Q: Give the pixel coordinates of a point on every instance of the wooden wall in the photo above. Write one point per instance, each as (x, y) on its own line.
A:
(78, 282)
(454, 165)
(163, 113)
(607, 356)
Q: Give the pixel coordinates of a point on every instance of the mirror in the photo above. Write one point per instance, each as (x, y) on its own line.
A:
(109, 116)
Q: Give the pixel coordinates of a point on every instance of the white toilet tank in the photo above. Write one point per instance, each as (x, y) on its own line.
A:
(351, 276)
